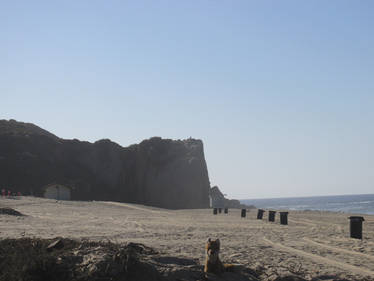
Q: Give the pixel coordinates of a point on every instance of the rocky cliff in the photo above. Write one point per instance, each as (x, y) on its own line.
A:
(158, 172)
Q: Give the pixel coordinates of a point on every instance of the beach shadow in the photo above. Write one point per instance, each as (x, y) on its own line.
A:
(328, 277)
(175, 260)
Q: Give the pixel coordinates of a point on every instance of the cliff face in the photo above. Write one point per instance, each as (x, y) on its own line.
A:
(157, 172)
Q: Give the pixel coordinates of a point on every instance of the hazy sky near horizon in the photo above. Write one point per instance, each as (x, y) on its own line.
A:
(280, 92)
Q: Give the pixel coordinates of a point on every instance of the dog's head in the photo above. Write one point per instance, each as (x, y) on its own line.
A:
(212, 249)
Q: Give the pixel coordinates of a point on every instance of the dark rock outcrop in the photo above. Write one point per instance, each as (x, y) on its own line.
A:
(235, 204)
(158, 172)
(10, 212)
(218, 200)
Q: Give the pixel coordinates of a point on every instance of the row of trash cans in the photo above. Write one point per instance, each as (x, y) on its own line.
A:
(355, 226)
(260, 214)
(283, 216)
(219, 210)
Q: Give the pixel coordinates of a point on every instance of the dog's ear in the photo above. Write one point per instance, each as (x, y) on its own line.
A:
(207, 243)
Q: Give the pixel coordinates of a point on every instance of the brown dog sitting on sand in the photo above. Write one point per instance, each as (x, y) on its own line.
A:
(212, 262)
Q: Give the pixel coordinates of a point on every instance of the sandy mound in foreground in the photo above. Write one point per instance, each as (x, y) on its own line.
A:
(66, 259)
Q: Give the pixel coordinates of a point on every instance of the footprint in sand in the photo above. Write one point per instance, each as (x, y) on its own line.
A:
(322, 260)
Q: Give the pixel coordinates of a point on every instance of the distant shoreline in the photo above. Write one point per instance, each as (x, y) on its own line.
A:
(300, 197)
(354, 204)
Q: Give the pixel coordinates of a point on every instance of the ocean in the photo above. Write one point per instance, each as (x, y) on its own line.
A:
(356, 204)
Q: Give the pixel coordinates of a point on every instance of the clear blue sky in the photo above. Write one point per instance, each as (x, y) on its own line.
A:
(280, 92)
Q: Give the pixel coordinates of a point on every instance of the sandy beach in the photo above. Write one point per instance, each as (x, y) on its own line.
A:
(313, 244)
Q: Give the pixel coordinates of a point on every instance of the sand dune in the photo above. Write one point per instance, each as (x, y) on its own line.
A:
(314, 244)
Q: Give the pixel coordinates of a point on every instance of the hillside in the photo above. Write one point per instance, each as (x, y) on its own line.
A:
(158, 172)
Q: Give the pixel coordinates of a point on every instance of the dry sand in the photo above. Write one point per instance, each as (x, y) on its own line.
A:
(313, 244)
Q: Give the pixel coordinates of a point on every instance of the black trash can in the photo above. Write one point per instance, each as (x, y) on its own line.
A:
(272, 215)
(215, 211)
(283, 218)
(356, 227)
(219, 210)
(244, 213)
(226, 210)
(260, 213)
